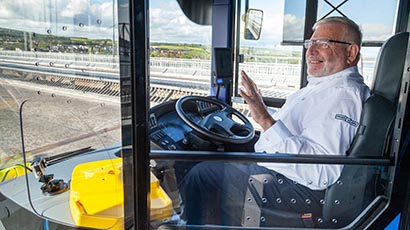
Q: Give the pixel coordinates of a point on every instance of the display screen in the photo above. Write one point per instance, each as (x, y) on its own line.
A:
(223, 62)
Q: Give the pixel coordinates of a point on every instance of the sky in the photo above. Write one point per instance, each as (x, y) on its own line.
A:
(168, 23)
(98, 19)
(80, 18)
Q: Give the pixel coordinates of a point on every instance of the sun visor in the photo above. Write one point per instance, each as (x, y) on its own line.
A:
(198, 11)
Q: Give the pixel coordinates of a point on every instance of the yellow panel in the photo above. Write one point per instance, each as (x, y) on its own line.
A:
(13, 172)
(96, 195)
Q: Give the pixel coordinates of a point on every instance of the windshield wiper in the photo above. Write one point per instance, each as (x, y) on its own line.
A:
(51, 185)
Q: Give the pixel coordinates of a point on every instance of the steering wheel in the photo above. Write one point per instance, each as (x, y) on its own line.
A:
(217, 119)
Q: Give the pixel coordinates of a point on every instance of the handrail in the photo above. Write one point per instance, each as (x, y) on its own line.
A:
(264, 157)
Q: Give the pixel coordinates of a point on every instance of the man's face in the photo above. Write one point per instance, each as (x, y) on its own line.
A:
(325, 61)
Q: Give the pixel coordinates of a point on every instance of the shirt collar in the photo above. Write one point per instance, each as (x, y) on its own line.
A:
(345, 72)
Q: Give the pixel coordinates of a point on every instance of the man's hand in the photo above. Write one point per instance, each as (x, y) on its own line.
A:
(252, 95)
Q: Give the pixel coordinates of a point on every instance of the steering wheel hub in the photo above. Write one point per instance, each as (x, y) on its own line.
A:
(219, 121)
(218, 118)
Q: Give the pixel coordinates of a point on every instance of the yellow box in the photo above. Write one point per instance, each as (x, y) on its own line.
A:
(97, 198)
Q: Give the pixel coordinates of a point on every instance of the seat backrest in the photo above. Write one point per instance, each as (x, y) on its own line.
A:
(355, 188)
(380, 109)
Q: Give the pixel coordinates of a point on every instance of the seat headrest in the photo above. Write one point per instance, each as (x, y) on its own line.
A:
(389, 66)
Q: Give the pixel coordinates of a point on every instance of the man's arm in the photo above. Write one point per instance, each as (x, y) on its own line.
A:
(322, 133)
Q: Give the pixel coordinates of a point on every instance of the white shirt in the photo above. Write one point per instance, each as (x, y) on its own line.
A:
(320, 119)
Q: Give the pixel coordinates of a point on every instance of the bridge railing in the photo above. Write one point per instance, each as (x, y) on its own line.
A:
(267, 74)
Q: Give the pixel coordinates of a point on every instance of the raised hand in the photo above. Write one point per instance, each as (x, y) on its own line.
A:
(252, 95)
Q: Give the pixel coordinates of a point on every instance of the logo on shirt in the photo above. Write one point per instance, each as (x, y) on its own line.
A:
(347, 119)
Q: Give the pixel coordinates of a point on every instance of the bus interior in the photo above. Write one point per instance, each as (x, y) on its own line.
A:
(106, 106)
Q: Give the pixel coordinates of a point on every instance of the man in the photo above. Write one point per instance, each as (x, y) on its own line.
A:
(320, 119)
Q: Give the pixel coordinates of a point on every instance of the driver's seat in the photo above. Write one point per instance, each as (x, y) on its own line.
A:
(357, 185)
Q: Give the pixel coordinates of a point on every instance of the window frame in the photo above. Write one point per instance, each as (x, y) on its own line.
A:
(311, 16)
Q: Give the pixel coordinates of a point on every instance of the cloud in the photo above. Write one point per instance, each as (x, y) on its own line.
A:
(78, 18)
(376, 32)
(293, 28)
(167, 22)
(272, 29)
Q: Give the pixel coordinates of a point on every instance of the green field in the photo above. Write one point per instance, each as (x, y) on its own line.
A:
(26, 41)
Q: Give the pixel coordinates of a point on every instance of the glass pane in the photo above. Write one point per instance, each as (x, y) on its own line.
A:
(294, 21)
(180, 62)
(249, 195)
(375, 27)
(77, 138)
(60, 65)
(367, 63)
(275, 68)
(11, 159)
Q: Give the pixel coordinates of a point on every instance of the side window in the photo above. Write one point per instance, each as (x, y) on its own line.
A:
(274, 67)
(275, 61)
(375, 28)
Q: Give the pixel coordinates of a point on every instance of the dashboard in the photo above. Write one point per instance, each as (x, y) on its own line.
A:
(171, 125)
(169, 132)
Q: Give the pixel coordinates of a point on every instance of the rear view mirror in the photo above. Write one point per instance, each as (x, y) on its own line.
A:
(253, 24)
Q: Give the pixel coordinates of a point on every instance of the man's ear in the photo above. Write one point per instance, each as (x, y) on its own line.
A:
(353, 54)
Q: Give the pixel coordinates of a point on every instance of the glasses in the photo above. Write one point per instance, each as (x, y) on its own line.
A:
(322, 43)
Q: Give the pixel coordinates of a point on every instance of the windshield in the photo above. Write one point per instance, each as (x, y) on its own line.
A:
(180, 53)
(11, 148)
(60, 112)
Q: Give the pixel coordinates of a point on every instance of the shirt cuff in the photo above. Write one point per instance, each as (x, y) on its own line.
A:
(271, 111)
(275, 134)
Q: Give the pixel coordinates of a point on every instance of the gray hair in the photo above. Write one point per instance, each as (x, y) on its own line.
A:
(352, 28)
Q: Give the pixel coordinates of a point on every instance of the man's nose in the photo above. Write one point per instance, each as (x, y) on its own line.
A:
(313, 48)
